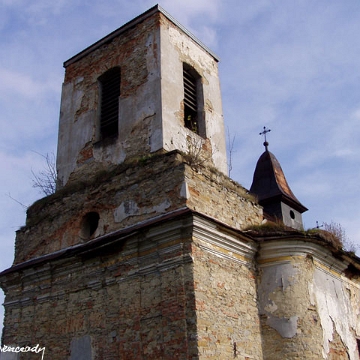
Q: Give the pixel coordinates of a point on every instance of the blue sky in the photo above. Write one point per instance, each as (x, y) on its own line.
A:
(290, 65)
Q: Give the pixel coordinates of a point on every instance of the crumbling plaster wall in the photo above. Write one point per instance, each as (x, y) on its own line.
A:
(306, 306)
(151, 109)
(177, 48)
(290, 326)
(337, 301)
(136, 51)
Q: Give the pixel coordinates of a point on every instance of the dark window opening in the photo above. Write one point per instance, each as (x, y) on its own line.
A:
(292, 214)
(191, 108)
(109, 104)
(90, 223)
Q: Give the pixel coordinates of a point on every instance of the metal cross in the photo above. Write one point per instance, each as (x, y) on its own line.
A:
(264, 132)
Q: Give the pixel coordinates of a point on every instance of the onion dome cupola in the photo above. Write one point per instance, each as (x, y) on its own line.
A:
(273, 192)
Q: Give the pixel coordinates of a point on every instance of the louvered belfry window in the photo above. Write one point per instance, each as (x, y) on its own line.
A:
(190, 101)
(109, 112)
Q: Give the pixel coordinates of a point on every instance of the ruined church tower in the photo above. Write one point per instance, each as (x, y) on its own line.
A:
(147, 87)
(120, 262)
(147, 249)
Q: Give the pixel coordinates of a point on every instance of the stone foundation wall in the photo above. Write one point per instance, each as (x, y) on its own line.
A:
(215, 195)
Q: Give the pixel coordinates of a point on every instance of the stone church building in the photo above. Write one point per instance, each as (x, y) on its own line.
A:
(148, 250)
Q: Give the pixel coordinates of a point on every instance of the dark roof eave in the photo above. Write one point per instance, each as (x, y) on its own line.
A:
(98, 242)
(116, 236)
(285, 199)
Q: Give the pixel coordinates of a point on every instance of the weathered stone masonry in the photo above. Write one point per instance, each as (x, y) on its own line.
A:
(129, 194)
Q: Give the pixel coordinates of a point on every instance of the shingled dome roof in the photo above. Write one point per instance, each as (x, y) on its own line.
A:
(269, 183)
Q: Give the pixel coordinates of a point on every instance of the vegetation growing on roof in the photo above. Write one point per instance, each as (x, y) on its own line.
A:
(332, 233)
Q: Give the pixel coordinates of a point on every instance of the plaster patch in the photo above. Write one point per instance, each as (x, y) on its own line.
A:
(156, 140)
(130, 208)
(312, 294)
(80, 348)
(285, 327)
(79, 80)
(184, 191)
(271, 307)
(77, 97)
(126, 208)
(9, 355)
(274, 277)
(162, 207)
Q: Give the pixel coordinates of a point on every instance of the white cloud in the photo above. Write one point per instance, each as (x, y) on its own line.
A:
(38, 11)
(23, 84)
(199, 17)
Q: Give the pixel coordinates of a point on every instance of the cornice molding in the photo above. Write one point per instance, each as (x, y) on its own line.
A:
(224, 242)
(280, 251)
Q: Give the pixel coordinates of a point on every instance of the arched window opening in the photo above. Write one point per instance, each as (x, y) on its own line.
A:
(89, 224)
(109, 102)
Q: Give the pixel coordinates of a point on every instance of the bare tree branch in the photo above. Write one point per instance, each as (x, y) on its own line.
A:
(20, 203)
(339, 232)
(45, 180)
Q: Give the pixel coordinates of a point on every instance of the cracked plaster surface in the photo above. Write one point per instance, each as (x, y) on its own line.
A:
(280, 277)
(331, 297)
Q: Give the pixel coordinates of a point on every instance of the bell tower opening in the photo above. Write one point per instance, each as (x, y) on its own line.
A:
(109, 89)
(193, 101)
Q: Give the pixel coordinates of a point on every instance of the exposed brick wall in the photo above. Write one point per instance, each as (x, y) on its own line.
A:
(226, 306)
(119, 50)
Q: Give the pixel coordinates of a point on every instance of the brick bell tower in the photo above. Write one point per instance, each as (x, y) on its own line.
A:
(138, 254)
(146, 88)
